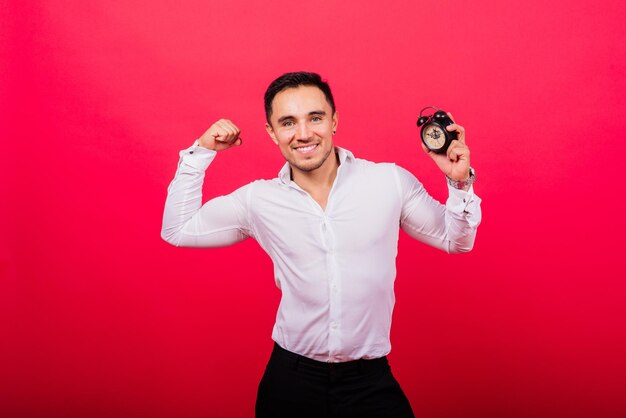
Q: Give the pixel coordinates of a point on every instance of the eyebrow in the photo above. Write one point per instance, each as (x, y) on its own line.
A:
(312, 113)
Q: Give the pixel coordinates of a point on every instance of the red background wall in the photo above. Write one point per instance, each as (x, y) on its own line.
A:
(99, 317)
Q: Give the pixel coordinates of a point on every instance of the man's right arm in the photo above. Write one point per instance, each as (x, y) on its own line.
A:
(219, 222)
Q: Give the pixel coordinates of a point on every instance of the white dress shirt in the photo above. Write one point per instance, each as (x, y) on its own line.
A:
(335, 267)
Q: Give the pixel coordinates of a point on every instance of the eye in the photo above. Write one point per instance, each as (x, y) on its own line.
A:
(288, 123)
(316, 118)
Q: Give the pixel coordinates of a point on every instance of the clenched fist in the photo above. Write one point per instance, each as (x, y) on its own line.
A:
(222, 135)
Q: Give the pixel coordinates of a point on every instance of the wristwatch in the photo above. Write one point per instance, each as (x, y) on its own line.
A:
(462, 184)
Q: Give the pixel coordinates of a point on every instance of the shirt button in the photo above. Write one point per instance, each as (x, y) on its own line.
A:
(190, 152)
(333, 325)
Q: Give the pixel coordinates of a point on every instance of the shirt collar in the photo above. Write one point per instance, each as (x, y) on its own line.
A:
(285, 173)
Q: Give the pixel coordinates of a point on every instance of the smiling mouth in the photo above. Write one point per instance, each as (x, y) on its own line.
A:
(306, 149)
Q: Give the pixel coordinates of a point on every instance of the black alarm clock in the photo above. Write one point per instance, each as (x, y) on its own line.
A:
(434, 133)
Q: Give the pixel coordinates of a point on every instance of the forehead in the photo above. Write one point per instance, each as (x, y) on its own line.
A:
(299, 100)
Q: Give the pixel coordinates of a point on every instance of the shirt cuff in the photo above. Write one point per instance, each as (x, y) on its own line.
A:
(197, 157)
(461, 200)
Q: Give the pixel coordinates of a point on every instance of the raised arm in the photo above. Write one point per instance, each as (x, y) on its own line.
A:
(221, 221)
(452, 227)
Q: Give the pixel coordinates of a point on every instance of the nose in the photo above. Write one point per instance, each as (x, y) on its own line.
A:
(303, 132)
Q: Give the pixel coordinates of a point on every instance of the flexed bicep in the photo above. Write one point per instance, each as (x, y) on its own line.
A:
(219, 222)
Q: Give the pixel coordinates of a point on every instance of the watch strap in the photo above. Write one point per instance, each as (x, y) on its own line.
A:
(462, 184)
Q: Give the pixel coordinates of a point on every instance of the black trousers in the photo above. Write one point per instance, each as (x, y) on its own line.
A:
(297, 387)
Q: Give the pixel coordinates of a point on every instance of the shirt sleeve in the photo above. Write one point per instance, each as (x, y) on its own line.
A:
(450, 227)
(220, 222)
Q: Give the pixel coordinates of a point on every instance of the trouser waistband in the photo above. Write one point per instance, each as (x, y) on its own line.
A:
(296, 360)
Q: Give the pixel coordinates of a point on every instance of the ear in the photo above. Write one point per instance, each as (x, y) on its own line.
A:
(270, 132)
(335, 121)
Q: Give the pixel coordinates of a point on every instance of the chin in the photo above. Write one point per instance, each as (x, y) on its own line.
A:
(310, 165)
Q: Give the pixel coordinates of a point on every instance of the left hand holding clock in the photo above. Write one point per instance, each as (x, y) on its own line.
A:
(455, 163)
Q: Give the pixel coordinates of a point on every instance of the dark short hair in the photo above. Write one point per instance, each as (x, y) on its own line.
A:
(291, 80)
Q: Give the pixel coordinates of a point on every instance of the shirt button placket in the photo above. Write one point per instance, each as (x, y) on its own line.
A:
(334, 293)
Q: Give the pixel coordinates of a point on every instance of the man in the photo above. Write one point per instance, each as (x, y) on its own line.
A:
(330, 223)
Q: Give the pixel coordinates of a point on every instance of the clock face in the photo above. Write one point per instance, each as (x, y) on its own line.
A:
(433, 136)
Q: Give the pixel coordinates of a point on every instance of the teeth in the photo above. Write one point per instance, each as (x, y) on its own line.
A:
(306, 149)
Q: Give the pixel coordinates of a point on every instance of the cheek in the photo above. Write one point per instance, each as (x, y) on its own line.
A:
(327, 129)
(325, 133)
(284, 138)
